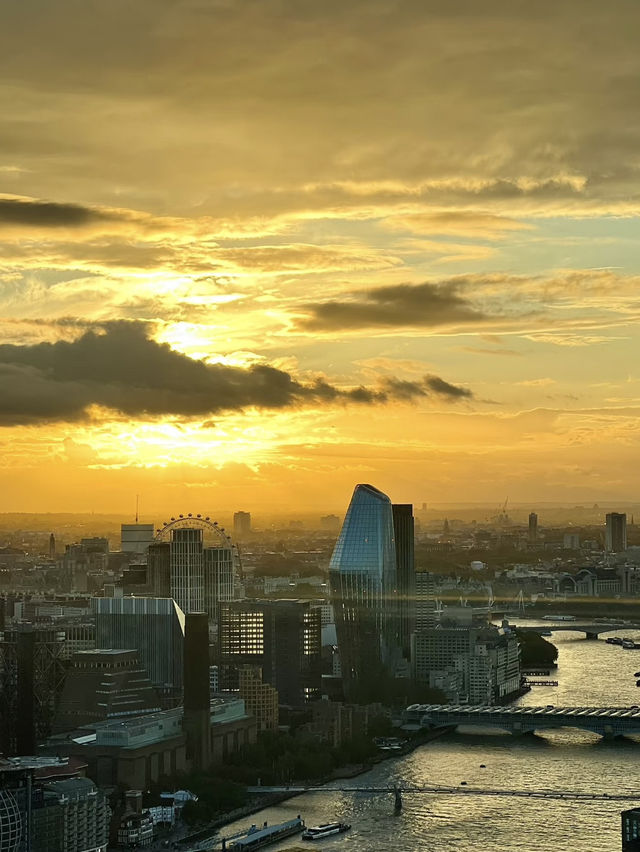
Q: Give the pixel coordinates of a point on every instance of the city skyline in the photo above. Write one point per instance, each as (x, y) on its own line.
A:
(268, 249)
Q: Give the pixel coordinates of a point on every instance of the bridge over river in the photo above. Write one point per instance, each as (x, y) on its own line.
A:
(402, 788)
(591, 629)
(606, 721)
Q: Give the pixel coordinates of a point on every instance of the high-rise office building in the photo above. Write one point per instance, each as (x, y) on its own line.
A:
(282, 638)
(32, 670)
(425, 614)
(533, 527)
(136, 538)
(241, 523)
(187, 569)
(219, 580)
(616, 532)
(155, 628)
(199, 577)
(363, 578)
(403, 533)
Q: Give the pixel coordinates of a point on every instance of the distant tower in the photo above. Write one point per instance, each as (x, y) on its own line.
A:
(52, 546)
(242, 523)
(616, 532)
(184, 566)
(445, 527)
(533, 526)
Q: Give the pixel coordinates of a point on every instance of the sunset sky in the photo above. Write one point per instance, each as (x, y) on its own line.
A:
(253, 252)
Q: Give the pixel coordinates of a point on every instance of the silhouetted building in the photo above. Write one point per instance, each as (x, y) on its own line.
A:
(52, 546)
(31, 677)
(616, 532)
(282, 638)
(241, 523)
(363, 577)
(196, 689)
(134, 580)
(103, 684)
(136, 751)
(159, 569)
(533, 527)
(403, 533)
(153, 626)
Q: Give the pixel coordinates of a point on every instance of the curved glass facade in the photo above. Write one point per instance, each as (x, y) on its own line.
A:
(10, 822)
(364, 589)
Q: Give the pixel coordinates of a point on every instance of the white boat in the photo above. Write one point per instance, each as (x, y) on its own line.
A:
(327, 829)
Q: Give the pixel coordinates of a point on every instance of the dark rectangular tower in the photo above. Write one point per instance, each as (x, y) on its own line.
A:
(197, 713)
(403, 533)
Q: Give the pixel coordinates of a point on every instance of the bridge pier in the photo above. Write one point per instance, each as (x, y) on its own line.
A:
(398, 799)
(591, 635)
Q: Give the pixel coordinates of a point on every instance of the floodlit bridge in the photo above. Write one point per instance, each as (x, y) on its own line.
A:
(591, 629)
(605, 721)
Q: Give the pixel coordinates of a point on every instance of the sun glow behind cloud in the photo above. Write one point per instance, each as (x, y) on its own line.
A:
(324, 211)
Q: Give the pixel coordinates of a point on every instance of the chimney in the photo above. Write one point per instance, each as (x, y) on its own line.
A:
(197, 714)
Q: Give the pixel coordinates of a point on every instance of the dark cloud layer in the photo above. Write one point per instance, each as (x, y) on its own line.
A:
(50, 214)
(397, 305)
(119, 367)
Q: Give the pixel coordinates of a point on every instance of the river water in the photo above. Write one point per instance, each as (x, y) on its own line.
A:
(590, 673)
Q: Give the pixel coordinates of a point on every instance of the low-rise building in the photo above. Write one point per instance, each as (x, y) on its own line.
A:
(135, 825)
(137, 751)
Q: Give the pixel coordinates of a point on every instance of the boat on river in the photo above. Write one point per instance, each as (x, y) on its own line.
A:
(258, 838)
(327, 829)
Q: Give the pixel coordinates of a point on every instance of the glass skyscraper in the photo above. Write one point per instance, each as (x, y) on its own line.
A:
(364, 593)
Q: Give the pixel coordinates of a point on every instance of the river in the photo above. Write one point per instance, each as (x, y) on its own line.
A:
(590, 673)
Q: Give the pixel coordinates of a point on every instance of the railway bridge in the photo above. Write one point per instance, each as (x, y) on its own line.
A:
(605, 721)
(591, 629)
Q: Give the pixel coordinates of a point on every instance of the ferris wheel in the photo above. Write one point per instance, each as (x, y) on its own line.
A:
(213, 535)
